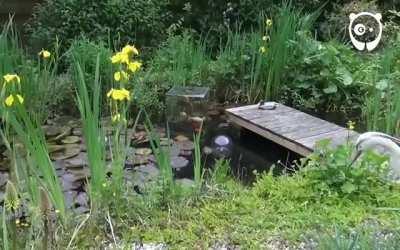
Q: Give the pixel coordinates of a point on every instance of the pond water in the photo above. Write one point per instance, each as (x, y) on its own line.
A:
(245, 151)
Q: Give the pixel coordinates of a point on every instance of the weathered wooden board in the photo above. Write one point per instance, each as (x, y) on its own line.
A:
(289, 127)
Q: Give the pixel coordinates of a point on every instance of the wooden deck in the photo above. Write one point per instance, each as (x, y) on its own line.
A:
(289, 127)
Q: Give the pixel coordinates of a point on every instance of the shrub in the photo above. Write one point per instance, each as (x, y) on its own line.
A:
(142, 22)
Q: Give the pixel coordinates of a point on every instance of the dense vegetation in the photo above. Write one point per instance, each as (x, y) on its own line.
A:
(297, 53)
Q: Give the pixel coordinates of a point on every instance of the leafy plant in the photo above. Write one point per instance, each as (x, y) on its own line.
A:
(89, 107)
(116, 22)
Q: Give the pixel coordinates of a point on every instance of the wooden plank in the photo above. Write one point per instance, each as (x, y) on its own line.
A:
(336, 137)
(290, 128)
(293, 146)
(310, 131)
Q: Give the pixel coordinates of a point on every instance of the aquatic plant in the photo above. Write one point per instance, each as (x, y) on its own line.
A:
(119, 100)
(198, 168)
(89, 107)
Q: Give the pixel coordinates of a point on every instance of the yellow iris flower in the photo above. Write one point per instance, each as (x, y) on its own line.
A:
(121, 76)
(130, 49)
(268, 22)
(120, 57)
(12, 77)
(45, 54)
(134, 66)
(9, 101)
(263, 50)
(119, 94)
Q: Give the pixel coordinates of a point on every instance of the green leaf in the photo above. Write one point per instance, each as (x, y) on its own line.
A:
(331, 89)
(382, 84)
(345, 76)
(349, 188)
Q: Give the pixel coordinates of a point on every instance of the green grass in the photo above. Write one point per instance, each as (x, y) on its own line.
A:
(292, 207)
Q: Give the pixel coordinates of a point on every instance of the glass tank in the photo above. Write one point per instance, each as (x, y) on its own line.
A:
(186, 107)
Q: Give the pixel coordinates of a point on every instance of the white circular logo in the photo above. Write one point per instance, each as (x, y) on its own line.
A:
(364, 35)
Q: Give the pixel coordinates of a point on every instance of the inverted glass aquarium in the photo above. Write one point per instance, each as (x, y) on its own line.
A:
(186, 106)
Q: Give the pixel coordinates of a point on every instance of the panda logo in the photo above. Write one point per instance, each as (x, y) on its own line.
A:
(365, 30)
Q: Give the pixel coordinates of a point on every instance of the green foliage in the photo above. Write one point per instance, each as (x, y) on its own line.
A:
(289, 22)
(330, 175)
(31, 135)
(382, 105)
(90, 108)
(120, 22)
(86, 52)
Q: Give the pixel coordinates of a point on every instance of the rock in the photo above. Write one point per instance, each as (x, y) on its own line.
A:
(77, 132)
(66, 153)
(71, 139)
(181, 138)
(69, 197)
(140, 160)
(54, 148)
(185, 153)
(173, 150)
(166, 142)
(143, 151)
(140, 137)
(79, 161)
(179, 162)
(82, 199)
(52, 130)
(80, 174)
(185, 145)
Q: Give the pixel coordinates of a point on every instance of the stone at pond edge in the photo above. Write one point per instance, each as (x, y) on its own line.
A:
(179, 162)
(66, 153)
(82, 199)
(71, 139)
(185, 145)
(181, 138)
(143, 151)
(77, 162)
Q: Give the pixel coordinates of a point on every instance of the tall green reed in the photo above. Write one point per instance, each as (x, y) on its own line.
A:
(30, 133)
(198, 168)
(382, 104)
(283, 32)
(89, 107)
